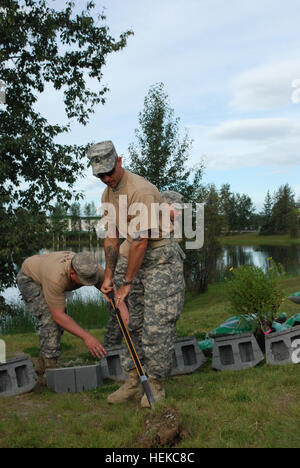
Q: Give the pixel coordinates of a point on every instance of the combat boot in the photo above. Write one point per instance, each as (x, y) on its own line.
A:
(157, 390)
(51, 363)
(41, 365)
(130, 390)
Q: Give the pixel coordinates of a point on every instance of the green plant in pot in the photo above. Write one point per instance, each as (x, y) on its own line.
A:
(252, 291)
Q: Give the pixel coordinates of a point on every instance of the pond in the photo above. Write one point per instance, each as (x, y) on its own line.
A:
(232, 256)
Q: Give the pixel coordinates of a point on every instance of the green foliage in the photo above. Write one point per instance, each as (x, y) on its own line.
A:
(250, 290)
(281, 215)
(43, 48)
(58, 224)
(201, 265)
(89, 314)
(160, 153)
(236, 209)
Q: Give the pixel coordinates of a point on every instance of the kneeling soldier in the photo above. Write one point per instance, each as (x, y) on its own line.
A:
(43, 281)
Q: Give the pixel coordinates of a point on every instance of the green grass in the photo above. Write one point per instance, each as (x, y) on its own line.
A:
(254, 239)
(87, 313)
(258, 407)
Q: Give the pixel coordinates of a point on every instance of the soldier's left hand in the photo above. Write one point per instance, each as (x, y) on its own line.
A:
(122, 293)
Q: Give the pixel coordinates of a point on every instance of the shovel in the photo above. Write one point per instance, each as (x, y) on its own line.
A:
(135, 358)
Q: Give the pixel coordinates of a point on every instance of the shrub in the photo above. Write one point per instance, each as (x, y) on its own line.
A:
(251, 290)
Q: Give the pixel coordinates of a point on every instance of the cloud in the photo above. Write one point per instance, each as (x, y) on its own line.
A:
(266, 87)
(273, 142)
(273, 156)
(257, 129)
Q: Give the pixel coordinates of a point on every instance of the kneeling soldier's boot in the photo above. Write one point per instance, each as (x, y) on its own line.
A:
(41, 365)
(39, 368)
(130, 390)
(157, 390)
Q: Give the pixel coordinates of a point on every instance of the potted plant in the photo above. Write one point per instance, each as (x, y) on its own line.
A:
(252, 291)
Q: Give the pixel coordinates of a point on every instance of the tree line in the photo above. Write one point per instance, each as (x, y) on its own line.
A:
(69, 223)
(43, 46)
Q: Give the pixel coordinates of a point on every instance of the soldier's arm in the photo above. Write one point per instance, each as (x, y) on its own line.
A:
(135, 259)
(67, 323)
(111, 249)
(136, 256)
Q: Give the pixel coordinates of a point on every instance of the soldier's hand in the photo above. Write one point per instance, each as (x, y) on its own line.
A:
(95, 348)
(124, 313)
(106, 287)
(122, 294)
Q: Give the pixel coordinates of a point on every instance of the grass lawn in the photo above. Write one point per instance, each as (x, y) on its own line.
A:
(258, 407)
(254, 239)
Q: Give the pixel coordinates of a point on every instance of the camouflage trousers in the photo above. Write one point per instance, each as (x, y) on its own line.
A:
(113, 335)
(155, 303)
(48, 331)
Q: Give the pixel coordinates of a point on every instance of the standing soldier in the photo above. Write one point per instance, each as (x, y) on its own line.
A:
(149, 265)
(173, 203)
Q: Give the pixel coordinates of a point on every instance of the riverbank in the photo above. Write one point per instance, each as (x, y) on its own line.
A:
(254, 239)
(253, 408)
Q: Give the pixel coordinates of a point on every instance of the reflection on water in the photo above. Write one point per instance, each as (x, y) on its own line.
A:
(289, 257)
(232, 256)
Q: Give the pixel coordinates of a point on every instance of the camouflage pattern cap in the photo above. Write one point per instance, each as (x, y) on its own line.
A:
(86, 268)
(102, 156)
(170, 196)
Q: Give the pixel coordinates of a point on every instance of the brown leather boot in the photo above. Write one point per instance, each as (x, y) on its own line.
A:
(41, 365)
(51, 363)
(157, 390)
(130, 390)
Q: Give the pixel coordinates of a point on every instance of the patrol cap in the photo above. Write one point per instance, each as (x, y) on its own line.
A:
(169, 196)
(103, 157)
(86, 268)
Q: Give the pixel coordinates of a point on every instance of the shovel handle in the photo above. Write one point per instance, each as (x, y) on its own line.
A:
(133, 352)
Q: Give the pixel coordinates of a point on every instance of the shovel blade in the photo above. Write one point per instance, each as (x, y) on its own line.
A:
(148, 391)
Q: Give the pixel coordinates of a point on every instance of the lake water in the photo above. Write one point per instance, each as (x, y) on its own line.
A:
(232, 256)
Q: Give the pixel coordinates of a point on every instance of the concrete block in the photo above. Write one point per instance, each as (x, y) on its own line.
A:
(74, 379)
(111, 367)
(295, 299)
(61, 380)
(88, 377)
(236, 352)
(187, 356)
(17, 376)
(279, 345)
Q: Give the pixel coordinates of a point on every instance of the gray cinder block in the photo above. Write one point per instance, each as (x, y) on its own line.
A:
(111, 367)
(279, 345)
(295, 299)
(74, 379)
(17, 376)
(61, 380)
(88, 377)
(236, 352)
(187, 356)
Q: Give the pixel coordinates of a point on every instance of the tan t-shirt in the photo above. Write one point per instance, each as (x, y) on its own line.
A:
(52, 272)
(128, 199)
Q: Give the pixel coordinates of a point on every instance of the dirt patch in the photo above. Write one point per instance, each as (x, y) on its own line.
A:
(161, 431)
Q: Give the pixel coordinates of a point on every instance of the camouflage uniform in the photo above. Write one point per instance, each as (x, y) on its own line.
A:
(113, 335)
(48, 331)
(155, 303)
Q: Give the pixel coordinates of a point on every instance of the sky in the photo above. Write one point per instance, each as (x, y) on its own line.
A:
(231, 69)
